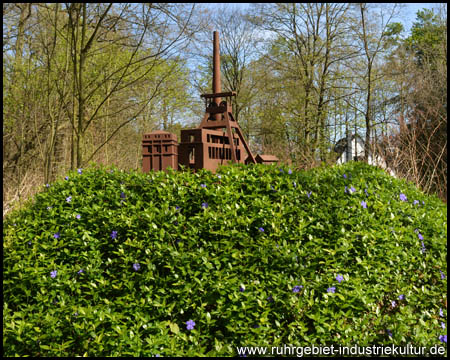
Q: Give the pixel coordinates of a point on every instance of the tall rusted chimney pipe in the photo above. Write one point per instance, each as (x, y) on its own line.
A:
(216, 67)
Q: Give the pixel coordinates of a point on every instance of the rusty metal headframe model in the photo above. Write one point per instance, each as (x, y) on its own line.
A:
(208, 146)
(218, 139)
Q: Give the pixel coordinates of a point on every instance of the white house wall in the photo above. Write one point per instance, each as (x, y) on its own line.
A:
(358, 150)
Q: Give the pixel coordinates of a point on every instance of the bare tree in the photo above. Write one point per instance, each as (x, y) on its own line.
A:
(372, 39)
(71, 67)
(90, 26)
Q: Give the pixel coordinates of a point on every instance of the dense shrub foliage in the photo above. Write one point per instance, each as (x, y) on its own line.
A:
(108, 263)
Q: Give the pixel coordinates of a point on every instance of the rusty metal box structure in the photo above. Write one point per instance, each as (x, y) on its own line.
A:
(159, 151)
(208, 148)
(266, 159)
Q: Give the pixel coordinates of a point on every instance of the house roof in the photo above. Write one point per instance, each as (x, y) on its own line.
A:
(341, 145)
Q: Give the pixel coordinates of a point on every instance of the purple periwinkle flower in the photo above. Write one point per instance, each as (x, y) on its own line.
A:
(339, 278)
(423, 202)
(203, 185)
(47, 185)
(389, 332)
(261, 229)
(204, 205)
(442, 325)
(442, 275)
(29, 242)
(190, 324)
(56, 236)
(281, 171)
(420, 236)
(423, 248)
(114, 234)
(80, 271)
(69, 199)
(80, 171)
(403, 197)
(297, 288)
(352, 189)
(67, 178)
(241, 289)
(441, 313)
(177, 208)
(346, 190)
(53, 274)
(393, 303)
(122, 195)
(401, 297)
(75, 313)
(78, 216)
(309, 194)
(331, 289)
(367, 194)
(220, 177)
(415, 202)
(293, 183)
(364, 204)
(443, 338)
(289, 171)
(345, 176)
(49, 207)
(136, 267)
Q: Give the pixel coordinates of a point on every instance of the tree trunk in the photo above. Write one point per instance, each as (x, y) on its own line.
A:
(369, 83)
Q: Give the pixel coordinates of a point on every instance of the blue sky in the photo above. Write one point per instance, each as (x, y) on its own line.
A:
(407, 18)
(410, 12)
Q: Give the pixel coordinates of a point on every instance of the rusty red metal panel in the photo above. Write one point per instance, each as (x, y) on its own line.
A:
(208, 148)
(159, 151)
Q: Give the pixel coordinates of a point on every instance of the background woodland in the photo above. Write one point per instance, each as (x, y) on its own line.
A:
(83, 82)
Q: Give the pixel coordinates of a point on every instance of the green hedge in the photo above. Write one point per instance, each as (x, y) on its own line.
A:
(111, 263)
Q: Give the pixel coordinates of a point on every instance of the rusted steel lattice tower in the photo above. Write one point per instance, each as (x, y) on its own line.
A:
(219, 138)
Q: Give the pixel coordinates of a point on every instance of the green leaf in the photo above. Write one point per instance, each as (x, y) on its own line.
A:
(174, 328)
